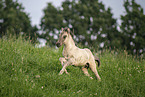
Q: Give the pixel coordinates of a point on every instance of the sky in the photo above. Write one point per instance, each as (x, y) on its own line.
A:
(35, 7)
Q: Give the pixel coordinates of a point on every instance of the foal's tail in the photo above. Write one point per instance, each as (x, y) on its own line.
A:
(98, 61)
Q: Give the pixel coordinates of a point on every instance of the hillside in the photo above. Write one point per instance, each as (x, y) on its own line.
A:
(33, 72)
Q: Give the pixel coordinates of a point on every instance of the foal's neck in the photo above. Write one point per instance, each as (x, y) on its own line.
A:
(70, 43)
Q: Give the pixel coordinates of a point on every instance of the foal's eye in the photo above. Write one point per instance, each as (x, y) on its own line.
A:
(64, 36)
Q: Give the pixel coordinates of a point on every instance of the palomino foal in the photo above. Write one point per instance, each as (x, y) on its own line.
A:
(74, 55)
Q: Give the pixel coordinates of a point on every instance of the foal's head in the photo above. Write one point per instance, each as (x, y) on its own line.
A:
(63, 36)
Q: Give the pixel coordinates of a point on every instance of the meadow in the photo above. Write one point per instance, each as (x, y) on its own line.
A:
(27, 71)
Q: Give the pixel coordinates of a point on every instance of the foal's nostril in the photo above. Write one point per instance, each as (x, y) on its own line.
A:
(58, 44)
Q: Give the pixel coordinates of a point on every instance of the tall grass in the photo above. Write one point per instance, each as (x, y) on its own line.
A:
(33, 72)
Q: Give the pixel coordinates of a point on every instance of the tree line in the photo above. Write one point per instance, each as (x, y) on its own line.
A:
(92, 23)
(14, 20)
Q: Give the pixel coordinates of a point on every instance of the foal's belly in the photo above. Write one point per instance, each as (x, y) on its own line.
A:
(80, 60)
(80, 64)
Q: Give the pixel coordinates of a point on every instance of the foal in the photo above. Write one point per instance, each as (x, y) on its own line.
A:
(75, 56)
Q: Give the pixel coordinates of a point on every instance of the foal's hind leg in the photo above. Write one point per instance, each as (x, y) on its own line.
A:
(62, 60)
(93, 68)
(85, 70)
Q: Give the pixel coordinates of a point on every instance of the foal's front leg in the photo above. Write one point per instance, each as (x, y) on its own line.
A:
(67, 63)
(63, 68)
(63, 60)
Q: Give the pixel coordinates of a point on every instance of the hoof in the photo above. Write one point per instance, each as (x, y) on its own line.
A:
(67, 73)
(99, 80)
(59, 74)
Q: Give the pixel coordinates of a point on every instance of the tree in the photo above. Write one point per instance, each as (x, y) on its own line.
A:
(133, 28)
(13, 20)
(91, 22)
(51, 23)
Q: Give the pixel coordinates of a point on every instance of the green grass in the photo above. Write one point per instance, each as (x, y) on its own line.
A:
(26, 71)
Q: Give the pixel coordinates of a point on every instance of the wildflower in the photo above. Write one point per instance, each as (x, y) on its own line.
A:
(21, 70)
(33, 85)
(37, 76)
(42, 87)
(78, 91)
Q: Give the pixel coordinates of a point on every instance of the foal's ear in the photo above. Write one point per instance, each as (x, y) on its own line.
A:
(68, 30)
(62, 29)
(72, 33)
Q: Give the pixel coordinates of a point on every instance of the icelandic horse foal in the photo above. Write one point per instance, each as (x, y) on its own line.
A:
(72, 55)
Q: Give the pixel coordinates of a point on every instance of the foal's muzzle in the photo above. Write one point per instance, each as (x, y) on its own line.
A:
(58, 44)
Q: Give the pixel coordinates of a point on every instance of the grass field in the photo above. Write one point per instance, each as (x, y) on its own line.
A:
(26, 71)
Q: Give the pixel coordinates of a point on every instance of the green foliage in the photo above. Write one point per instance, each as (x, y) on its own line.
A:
(91, 22)
(133, 28)
(33, 72)
(14, 21)
(50, 22)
